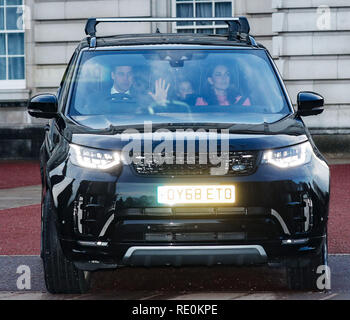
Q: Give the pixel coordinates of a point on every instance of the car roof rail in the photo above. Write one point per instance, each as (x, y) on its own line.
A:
(238, 27)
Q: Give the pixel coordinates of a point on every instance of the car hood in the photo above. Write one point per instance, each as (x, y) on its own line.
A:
(286, 132)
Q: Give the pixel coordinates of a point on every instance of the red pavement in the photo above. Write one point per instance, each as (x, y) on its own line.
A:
(339, 216)
(20, 227)
(19, 174)
(20, 231)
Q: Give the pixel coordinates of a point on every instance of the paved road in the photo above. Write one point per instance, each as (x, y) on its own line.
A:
(19, 197)
(223, 283)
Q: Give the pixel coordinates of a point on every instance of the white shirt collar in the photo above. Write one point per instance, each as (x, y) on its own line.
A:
(114, 90)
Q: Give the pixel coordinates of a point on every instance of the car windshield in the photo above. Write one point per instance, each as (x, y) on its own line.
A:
(176, 86)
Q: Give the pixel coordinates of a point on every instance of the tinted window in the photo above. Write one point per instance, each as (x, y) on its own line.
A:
(178, 85)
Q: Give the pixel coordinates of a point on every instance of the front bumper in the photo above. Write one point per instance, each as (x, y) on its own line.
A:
(101, 216)
(96, 255)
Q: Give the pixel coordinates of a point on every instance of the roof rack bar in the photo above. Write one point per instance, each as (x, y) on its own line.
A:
(90, 28)
(140, 19)
(236, 26)
(233, 30)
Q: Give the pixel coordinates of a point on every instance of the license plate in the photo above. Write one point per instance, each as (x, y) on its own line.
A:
(196, 194)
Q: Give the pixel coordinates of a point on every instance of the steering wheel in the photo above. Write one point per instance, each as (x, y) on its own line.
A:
(173, 106)
(120, 97)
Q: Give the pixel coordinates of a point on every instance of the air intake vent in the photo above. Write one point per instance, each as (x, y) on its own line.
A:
(240, 163)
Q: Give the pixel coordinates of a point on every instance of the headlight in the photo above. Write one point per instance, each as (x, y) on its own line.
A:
(290, 156)
(93, 158)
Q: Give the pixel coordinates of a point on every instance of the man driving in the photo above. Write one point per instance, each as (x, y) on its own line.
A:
(123, 78)
(123, 82)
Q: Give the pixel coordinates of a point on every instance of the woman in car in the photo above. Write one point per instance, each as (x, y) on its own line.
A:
(221, 91)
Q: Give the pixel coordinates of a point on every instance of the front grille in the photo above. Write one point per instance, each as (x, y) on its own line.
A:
(239, 163)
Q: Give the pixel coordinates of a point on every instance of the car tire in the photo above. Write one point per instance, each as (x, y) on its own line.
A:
(302, 273)
(61, 275)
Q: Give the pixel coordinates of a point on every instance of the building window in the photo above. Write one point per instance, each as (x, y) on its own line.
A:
(12, 59)
(202, 9)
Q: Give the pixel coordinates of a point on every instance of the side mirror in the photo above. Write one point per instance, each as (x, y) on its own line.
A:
(43, 106)
(309, 103)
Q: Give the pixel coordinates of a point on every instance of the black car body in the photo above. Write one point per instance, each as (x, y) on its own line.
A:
(96, 219)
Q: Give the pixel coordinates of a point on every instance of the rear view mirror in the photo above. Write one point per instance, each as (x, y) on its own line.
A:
(309, 103)
(43, 106)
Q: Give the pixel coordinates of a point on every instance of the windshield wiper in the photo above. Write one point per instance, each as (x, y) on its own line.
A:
(263, 128)
(170, 126)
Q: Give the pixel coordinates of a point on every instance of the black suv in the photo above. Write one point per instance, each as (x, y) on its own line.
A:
(178, 149)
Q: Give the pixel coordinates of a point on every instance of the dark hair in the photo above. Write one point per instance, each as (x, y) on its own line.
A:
(208, 92)
(231, 66)
(115, 66)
